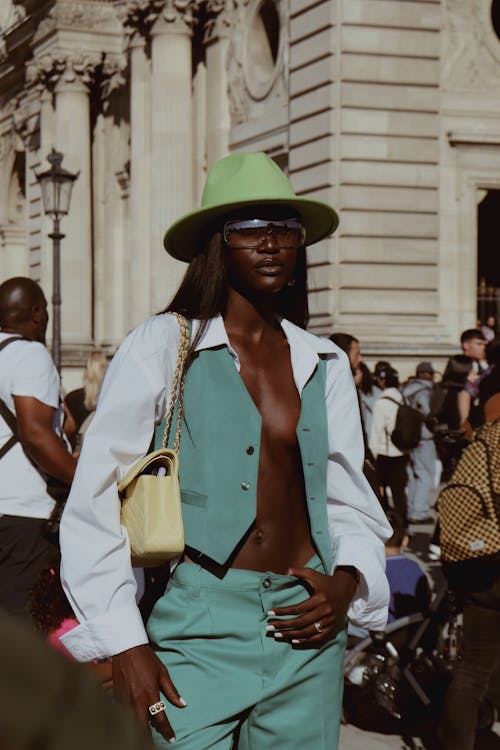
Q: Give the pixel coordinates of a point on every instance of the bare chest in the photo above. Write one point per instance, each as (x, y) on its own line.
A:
(270, 383)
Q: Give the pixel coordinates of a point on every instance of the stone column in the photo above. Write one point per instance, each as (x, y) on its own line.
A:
(47, 142)
(109, 152)
(72, 112)
(217, 49)
(171, 140)
(139, 302)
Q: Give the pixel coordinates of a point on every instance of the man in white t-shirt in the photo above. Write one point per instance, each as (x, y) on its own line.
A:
(29, 390)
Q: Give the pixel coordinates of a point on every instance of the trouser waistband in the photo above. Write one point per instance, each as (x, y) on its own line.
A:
(192, 574)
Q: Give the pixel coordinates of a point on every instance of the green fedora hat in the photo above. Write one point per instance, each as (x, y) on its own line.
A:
(242, 180)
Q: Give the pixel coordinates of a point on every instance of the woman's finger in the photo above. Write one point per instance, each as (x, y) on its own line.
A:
(169, 690)
(306, 605)
(159, 720)
(302, 621)
(318, 627)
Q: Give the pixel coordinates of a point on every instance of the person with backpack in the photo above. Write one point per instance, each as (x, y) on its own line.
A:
(30, 448)
(391, 461)
(469, 513)
(419, 393)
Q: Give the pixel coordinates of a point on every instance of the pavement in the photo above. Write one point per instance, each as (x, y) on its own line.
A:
(354, 738)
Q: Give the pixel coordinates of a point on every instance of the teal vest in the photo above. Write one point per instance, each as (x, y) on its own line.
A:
(219, 456)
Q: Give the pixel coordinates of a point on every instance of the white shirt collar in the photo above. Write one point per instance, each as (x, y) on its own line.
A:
(305, 347)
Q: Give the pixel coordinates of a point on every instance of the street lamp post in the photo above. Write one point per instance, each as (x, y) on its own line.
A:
(56, 185)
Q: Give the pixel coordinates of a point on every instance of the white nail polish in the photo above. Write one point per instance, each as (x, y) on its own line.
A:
(172, 740)
(182, 701)
(295, 641)
(271, 613)
(270, 628)
(278, 635)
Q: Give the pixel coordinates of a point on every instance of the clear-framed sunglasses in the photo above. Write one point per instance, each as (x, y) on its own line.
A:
(249, 234)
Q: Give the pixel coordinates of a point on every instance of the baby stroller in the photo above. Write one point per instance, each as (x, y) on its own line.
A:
(394, 680)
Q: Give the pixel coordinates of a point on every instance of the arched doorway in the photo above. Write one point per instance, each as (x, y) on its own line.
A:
(488, 256)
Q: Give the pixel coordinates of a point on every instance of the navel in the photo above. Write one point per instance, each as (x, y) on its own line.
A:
(258, 536)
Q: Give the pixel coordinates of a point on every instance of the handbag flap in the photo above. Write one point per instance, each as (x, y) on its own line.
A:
(163, 457)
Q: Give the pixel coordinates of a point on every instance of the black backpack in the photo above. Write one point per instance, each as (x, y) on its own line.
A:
(407, 430)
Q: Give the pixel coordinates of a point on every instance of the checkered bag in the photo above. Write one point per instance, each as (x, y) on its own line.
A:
(469, 506)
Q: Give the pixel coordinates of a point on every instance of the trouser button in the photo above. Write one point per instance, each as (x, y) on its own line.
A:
(266, 583)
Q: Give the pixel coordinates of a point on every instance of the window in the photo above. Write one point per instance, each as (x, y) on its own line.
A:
(263, 47)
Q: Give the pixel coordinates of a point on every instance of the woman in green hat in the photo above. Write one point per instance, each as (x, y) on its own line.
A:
(284, 537)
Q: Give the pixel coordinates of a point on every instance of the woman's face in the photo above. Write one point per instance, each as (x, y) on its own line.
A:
(261, 258)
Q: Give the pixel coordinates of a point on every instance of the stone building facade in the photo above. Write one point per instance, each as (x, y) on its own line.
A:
(388, 109)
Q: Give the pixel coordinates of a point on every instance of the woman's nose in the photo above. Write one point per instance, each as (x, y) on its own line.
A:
(269, 243)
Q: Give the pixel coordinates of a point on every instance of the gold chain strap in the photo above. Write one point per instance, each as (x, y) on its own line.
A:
(177, 391)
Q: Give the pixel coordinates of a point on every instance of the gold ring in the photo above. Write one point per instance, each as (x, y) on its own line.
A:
(318, 627)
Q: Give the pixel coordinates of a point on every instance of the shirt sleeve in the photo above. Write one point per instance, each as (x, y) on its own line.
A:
(35, 374)
(96, 570)
(358, 526)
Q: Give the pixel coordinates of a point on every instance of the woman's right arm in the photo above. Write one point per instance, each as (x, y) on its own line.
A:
(96, 571)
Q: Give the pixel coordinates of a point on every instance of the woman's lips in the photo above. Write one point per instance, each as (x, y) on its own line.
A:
(269, 267)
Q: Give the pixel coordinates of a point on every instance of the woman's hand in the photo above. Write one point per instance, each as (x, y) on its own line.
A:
(138, 678)
(312, 621)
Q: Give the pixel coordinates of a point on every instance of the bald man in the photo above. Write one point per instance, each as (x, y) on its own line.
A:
(30, 448)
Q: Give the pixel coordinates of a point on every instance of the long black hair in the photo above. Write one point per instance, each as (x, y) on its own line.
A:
(204, 289)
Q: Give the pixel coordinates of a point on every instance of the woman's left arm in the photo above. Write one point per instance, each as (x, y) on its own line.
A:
(358, 525)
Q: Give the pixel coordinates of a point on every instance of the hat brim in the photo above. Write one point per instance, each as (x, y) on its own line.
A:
(185, 238)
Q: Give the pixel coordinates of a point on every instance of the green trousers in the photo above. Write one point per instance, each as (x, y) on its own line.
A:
(243, 688)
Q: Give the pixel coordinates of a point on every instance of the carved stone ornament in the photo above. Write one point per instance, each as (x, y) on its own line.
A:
(22, 121)
(179, 13)
(471, 53)
(218, 23)
(81, 15)
(113, 68)
(63, 66)
(140, 15)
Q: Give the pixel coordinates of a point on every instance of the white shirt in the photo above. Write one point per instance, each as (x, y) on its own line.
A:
(383, 423)
(26, 369)
(96, 570)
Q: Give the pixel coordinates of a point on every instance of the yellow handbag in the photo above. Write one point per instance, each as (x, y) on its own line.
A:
(150, 492)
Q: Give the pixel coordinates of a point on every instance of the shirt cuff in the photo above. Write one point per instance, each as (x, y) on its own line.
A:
(369, 608)
(106, 635)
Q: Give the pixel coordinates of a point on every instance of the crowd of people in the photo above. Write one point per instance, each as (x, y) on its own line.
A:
(290, 522)
(453, 410)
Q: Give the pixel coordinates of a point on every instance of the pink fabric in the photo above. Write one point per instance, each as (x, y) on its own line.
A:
(53, 638)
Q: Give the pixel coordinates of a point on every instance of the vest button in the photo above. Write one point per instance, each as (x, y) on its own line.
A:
(250, 450)
(245, 485)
